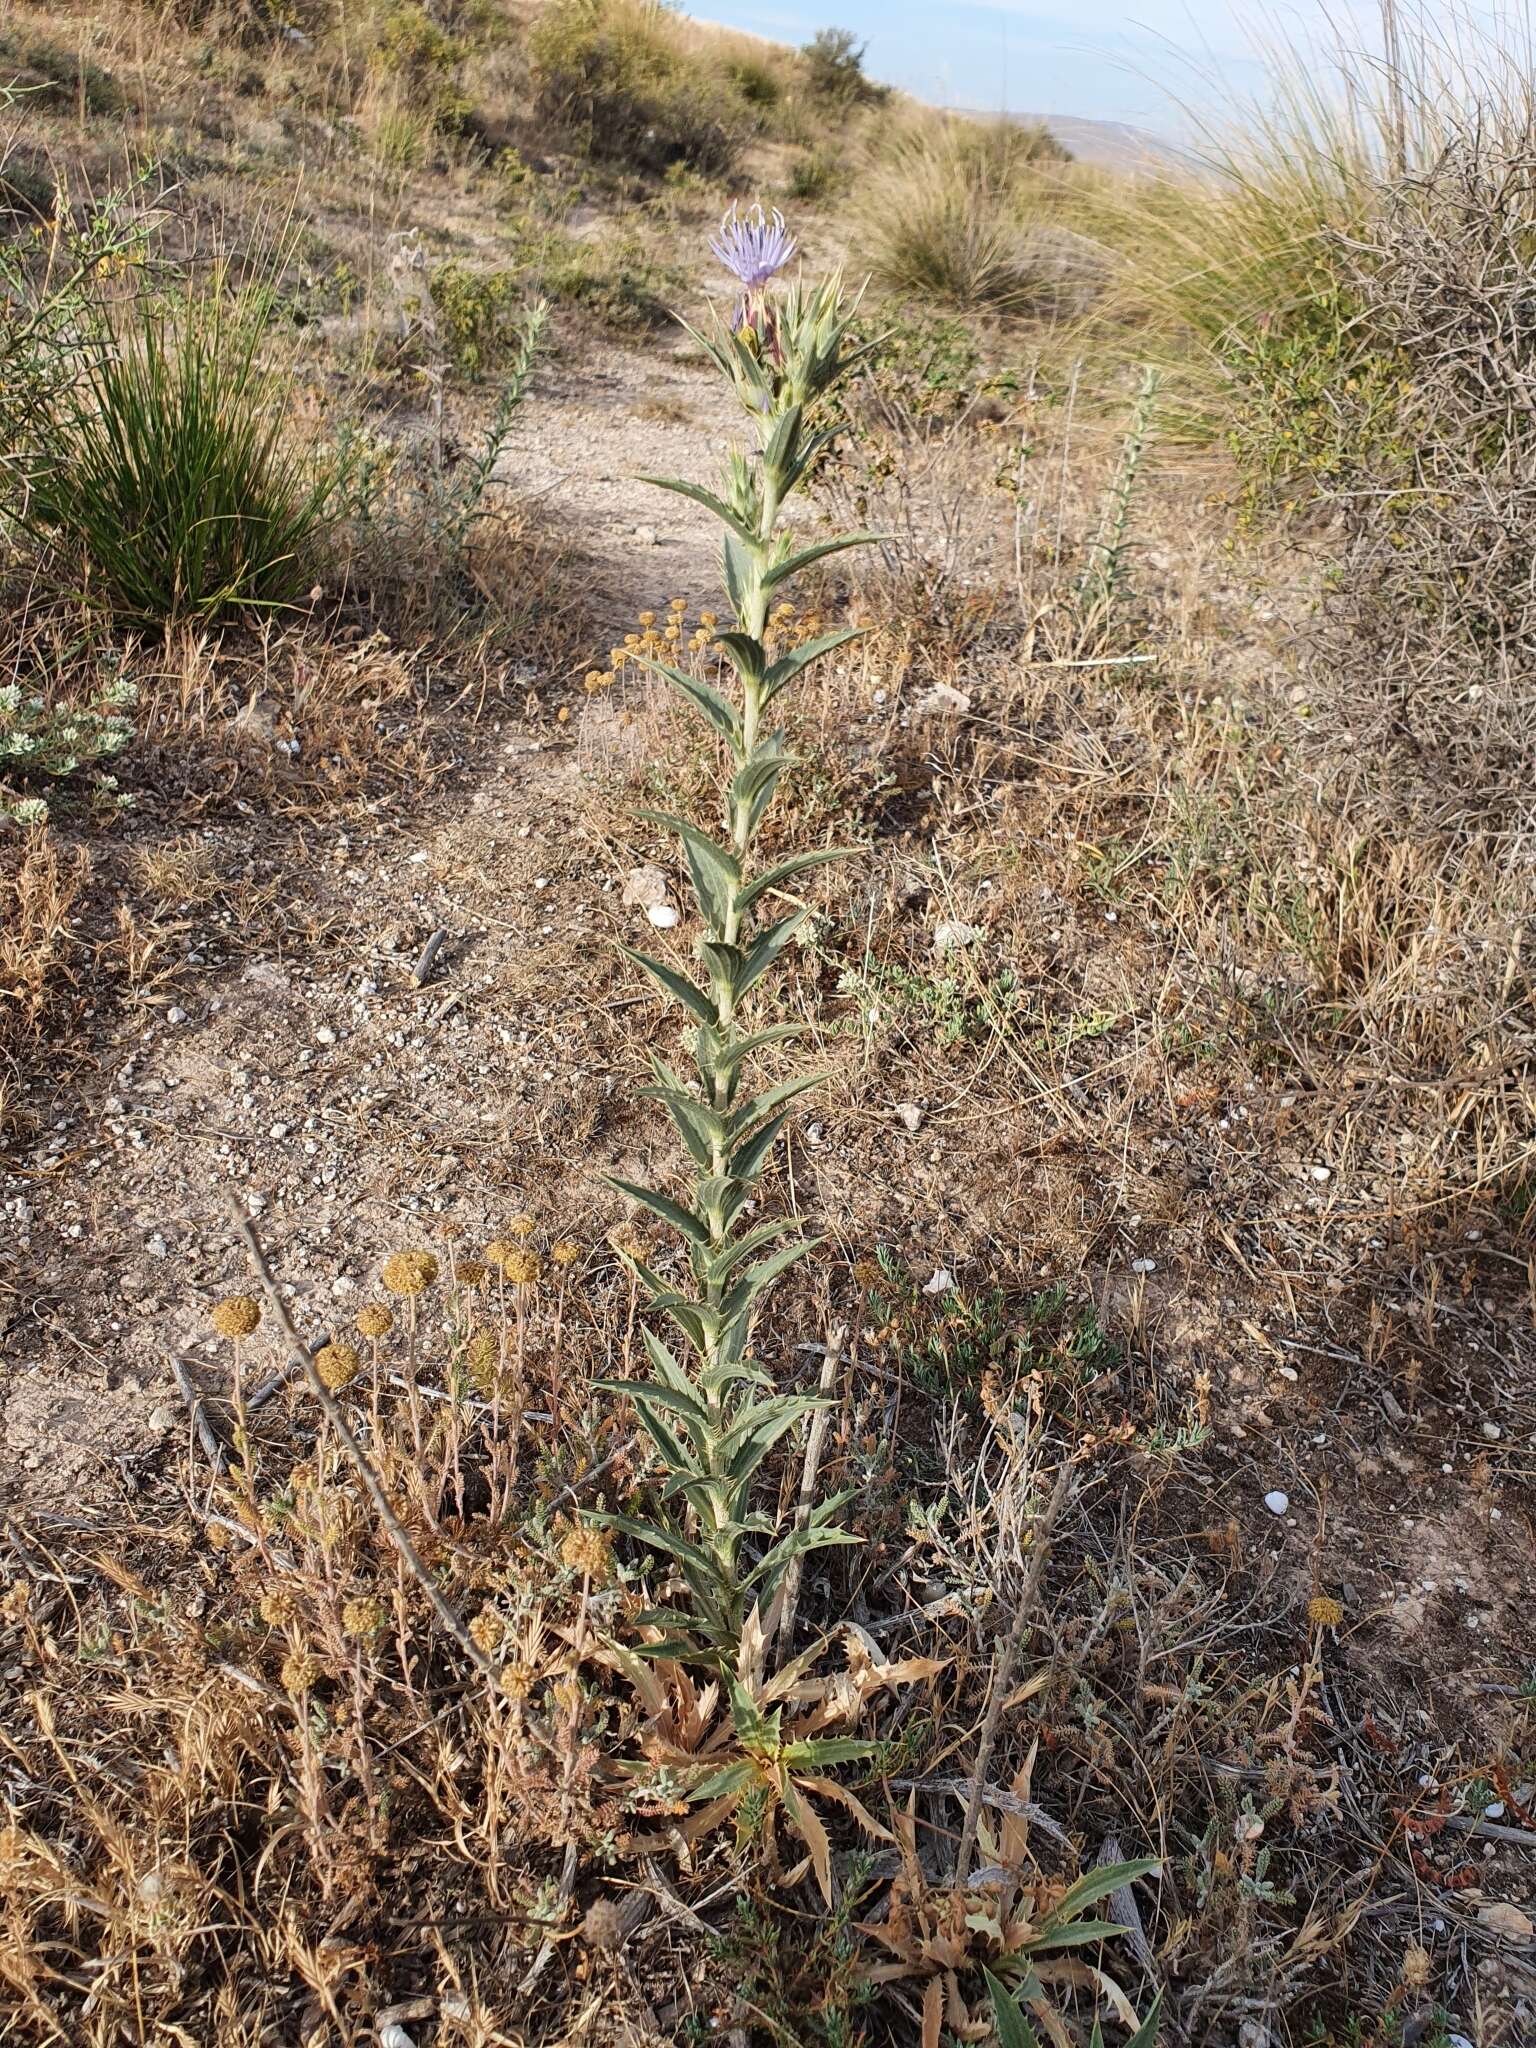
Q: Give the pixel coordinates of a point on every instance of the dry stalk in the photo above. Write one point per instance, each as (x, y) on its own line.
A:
(1002, 1677)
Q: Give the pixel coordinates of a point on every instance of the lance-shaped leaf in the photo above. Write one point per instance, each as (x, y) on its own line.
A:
(768, 1103)
(701, 1128)
(676, 985)
(648, 1407)
(745, 1292)
(694, 1560)
(686, 1406)
(783, 442)
(798, 1543)
(719, 710)
(663, 1206)
(746, 1162)
(793, 564)
(755, 781)
(716, 1057)
(695, 1322)
(753, 1435)
(788, 666)
(765, 949)
(747, 656)
(722, 1263)
(786, 870)
(1098, 1884)
(725, 966)
(715, 869)
(742, 577)
(718, 506)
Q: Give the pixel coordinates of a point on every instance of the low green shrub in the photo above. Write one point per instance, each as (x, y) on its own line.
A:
(618, 76)
(43, 742)
(834, 64)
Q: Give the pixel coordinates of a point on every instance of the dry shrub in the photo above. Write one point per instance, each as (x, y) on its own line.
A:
(965, 213)
(618, 76)
(39, 887)
(1432, 610)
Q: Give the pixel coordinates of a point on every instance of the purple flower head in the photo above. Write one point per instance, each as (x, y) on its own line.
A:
(753, 246)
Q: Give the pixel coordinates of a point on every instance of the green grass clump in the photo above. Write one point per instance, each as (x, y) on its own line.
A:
(167, 479)
(953, 212)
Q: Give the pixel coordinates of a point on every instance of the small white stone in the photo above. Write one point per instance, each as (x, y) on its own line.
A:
(1143, 1265)
(1322, 1173)
(909, 1114)
(1492, 1432)
(1277, 1502)
(175, 1014)
(157, 1247)
(644, 886)
(279, 1131)
(325, 1035)
(663, 915)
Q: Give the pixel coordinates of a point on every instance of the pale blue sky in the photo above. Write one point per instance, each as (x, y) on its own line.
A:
(1125, 63)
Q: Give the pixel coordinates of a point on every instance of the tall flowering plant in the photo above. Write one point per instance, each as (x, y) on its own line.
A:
(714, 1413)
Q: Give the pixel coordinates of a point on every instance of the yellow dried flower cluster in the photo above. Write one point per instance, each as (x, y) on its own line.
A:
(1324, 1612)
(522, 1225)
(374, 1319)
(522, 1266)
(338, 1366)
(565, 1251)
(588, 1550)
(487, 1630)
(301, 1672)
(409, 1273)
(237, 1315)
(472, 1272)
(278, 1606)
(363, 1617)
(518, 1679)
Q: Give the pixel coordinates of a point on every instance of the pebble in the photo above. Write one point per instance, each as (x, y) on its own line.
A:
(157, 1247)
(325, 1035)
(1492, 1432)
(1143, 1265)
(909, 1114)
(1277, 1502)
(663, 915)
(952, 933)
(175, 1014)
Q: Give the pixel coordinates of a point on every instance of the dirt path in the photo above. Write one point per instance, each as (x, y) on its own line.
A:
(349, 1108)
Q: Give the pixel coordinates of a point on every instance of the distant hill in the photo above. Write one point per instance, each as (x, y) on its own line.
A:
(1114, 144)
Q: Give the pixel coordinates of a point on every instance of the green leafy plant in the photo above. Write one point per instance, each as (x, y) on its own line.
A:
(715, 1422)
(1015, 2031)
(1104, 577)
(167, 476)
(43, 741)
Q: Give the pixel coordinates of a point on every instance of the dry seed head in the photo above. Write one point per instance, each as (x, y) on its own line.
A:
(495, 1252)
(237, 1315)
(709, 619)
(487, 1630)
(1418, 1965)
(588, 1550)
(278, 1606)
(565, 1252)
(363, 1616)
(522, 1267)
(300, 1672)
(1324, 1612)
(603, 1926)
(375, 1320)
(647, 619)
(482, 1358)
(518, 1679)
(473, 1273)
(338, 1366)
(409, 1273)
(522, 1225)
